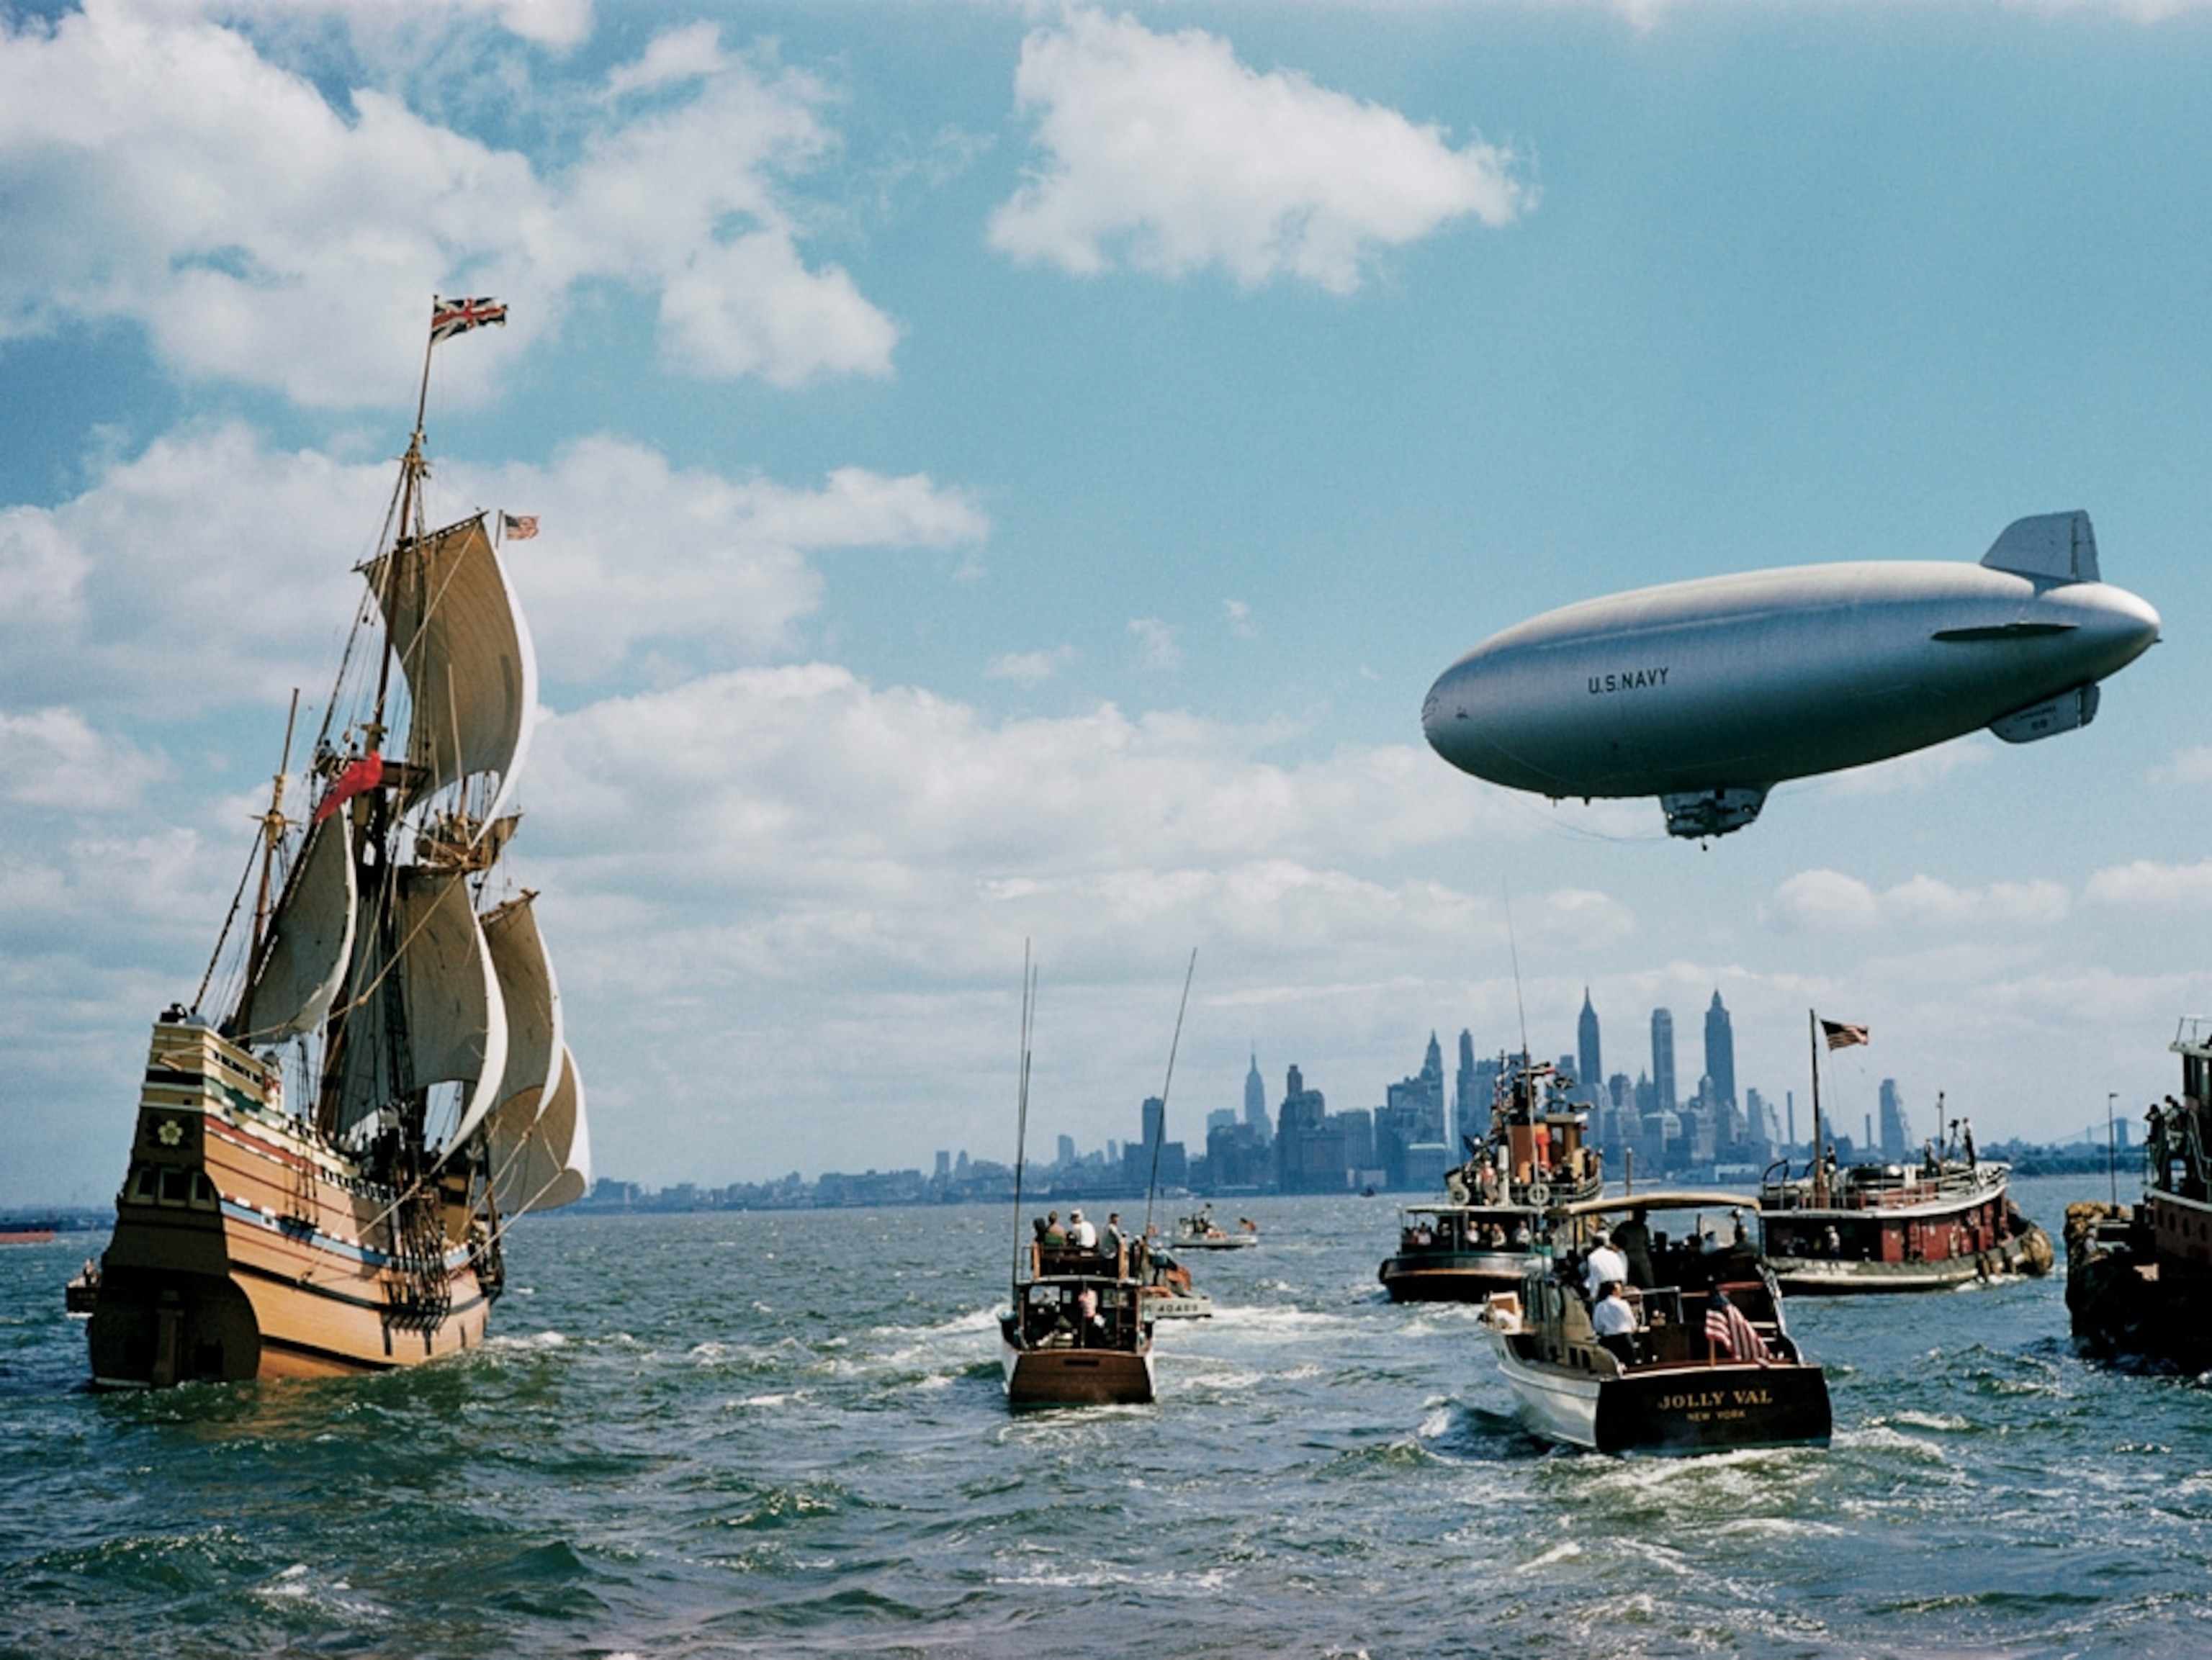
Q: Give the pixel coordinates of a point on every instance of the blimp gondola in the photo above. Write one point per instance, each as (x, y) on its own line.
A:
(1707, 693)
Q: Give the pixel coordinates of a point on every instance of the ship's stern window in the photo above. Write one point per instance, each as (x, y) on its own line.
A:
(144, 1181)
(176, 1185)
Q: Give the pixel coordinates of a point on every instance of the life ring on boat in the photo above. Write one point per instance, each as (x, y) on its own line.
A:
(1539, 1194)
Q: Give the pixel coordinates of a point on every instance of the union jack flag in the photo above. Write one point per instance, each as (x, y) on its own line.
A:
(1727, 1329)
(451, 317)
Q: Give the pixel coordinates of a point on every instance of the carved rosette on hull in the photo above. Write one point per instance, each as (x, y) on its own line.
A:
(353, 1221)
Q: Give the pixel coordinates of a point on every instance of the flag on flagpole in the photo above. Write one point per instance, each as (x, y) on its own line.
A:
(1726, 1327)
(451, 317)
(1840, 1036)
(517, 527)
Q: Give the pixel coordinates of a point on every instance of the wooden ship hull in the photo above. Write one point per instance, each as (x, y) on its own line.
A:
(1889, 1233)
(245, 1248)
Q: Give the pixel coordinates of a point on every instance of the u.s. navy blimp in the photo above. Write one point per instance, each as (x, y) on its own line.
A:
(1707, 693)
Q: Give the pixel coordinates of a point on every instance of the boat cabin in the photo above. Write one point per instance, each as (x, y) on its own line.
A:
(1051, 1313)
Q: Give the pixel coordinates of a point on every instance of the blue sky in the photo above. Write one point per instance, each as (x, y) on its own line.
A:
(1012, 472)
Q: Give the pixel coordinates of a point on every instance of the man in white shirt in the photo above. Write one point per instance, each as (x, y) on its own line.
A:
(1605, 1264)
(1080, 1232)
(1615, 1322)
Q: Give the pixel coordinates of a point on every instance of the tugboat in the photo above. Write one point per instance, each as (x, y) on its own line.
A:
(371, 1081)
(1501, 1202)
(2139, 1277)
(1701, 1360)
(1946, 1221)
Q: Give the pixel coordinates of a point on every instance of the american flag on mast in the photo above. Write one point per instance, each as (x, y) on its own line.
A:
(1840, 1036)
(451, 317)
(517, 527)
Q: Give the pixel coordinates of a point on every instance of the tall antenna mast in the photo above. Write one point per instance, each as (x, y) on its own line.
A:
(1022, 1101)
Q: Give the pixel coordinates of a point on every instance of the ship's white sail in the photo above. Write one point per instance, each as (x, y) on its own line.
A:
(465, 651)
(541, 1160)
(456, 1020)
(310, 941)
(531, 998)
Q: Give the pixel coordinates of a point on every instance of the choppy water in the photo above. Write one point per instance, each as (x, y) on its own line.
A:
(784, 1433)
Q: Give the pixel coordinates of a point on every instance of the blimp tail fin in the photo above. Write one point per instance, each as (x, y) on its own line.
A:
(2056, 546)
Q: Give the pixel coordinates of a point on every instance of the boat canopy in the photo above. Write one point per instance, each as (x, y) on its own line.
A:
(1658, 1199)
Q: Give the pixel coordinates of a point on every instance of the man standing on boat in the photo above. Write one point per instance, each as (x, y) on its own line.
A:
(1606, 1265)
(1615, 1322)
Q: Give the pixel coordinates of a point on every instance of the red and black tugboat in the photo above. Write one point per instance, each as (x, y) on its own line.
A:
(2139, 1277)
(1502, 1202)
(1947, 1220)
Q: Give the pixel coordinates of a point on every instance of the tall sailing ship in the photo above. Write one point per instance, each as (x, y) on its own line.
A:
(371, 1080)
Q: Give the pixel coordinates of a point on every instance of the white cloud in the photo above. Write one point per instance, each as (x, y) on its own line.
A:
(1030, 668)
(1168, 151)
(1156, 643)
(156, 167)
(2189, 767)
(2146, 885)
(1239, 616)
(1829, 902)
(112, 597)
(51, 758)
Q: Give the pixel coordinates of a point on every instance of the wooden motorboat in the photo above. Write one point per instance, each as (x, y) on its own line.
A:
(1710, 1365)
(1078, 1333)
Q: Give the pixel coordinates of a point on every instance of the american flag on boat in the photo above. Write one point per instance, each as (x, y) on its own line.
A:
(517, 527)
(451, 317)
(1726, 1327)
(1840, 1036)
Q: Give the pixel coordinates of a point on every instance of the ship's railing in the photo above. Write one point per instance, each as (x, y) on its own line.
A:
(2194, 1036)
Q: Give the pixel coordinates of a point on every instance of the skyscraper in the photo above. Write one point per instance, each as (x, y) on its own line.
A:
(1896, 1130)
(1256, 1099)
(1469, 1115)
(1592, 1075)
(1720, 1053)
(1663, 1059)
